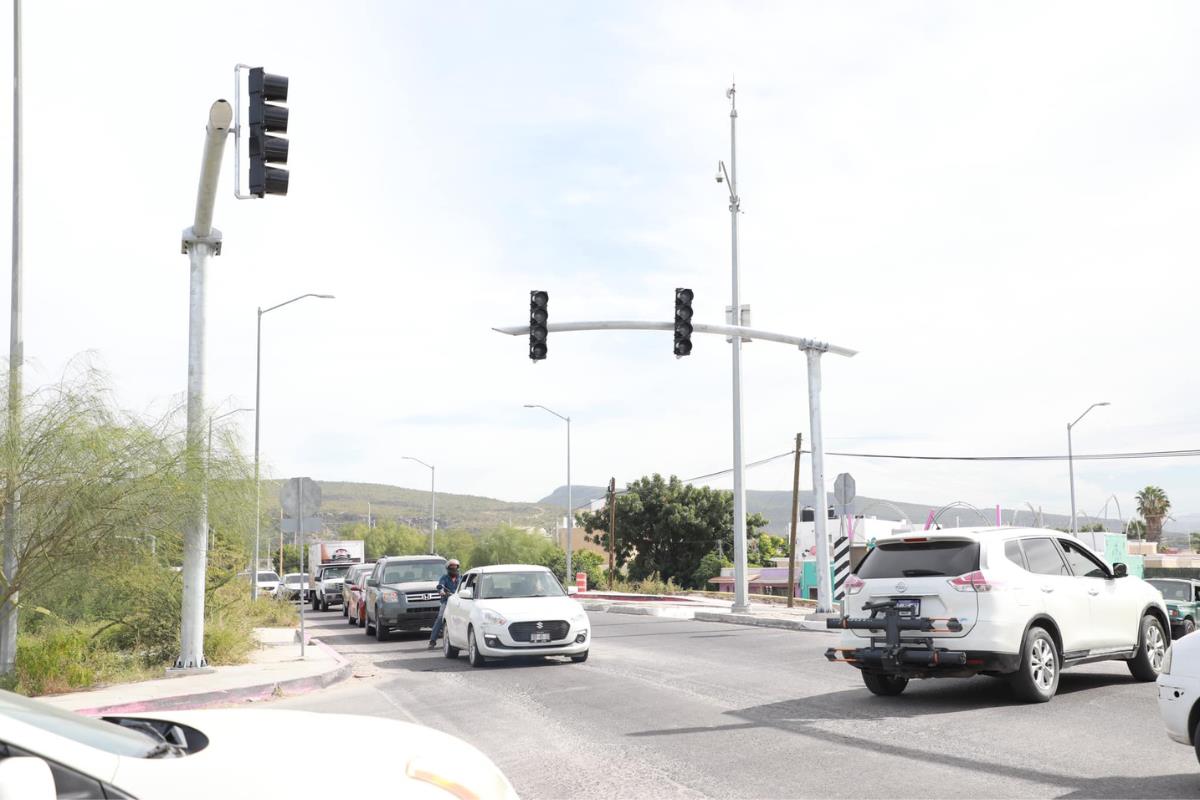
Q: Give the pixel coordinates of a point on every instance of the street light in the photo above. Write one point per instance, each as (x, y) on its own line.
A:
(432, 499)
(1071, 459)
(570, 503)
(257, 414)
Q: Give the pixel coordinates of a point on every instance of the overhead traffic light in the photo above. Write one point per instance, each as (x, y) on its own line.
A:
(268, 116)
(683, 322)
(539, 314)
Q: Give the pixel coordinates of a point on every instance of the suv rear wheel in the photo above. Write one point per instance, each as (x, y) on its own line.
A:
(1189, 626)
(1036, 680)
(884, 685)
(1152, 649)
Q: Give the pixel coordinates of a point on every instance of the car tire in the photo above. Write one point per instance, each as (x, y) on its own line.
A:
(1036, 680)
(884, 685)
(475, 658)
(1152, 649)
(345, 611)
(324, 605)
(1189, 626)
(361, 616)
(448, 650)
(582, 657)
(381, 631)
(316, 604)
(370, 628)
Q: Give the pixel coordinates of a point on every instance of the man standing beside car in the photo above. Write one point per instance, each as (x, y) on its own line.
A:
(447, 585)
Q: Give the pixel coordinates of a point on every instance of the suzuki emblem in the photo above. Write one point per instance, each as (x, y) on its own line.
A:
(540, 626)
(901, 587)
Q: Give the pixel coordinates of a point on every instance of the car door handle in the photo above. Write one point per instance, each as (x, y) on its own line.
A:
(1093, 592)
(1047, 589)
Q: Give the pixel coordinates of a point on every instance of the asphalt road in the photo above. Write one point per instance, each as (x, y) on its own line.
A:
(672, 708)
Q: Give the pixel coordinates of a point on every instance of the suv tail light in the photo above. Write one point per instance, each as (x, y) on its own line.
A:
(976, 581)
(853, 584)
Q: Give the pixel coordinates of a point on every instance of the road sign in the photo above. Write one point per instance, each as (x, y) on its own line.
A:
(843, 489)
(290, 497)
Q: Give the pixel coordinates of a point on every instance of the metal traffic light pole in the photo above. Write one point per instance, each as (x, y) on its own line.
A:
(200, 243)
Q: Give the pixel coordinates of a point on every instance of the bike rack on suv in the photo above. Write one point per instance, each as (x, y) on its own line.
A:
(890, 654)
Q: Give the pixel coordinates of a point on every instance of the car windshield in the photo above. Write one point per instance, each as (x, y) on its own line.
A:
(268, 576)
(1173, 590)
(919, 559)
(293, 579)
(87, 731)
(413, 571)
(500, 585)
(329, 573)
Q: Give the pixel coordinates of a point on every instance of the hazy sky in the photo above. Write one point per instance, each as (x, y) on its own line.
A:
(994, 203)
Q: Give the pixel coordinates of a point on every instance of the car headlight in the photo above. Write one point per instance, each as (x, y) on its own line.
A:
(389, 596)
(1166, 665)
(580, 618)
(490, 617)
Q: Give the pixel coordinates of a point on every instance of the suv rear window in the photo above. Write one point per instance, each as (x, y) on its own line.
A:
(920, 559)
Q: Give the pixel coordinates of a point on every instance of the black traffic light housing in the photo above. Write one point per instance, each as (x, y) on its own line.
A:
(539, 315)
(268, 116)
(683, 322)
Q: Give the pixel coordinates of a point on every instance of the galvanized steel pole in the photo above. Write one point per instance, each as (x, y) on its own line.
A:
(16, 357)
(200, 242)
(741, 601)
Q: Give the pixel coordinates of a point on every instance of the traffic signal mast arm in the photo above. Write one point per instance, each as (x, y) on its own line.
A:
(697, 327)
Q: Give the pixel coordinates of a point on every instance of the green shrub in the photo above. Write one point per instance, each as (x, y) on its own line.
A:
(63, 658)
(228, 639)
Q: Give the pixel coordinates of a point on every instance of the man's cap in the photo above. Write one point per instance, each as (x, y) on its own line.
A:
(452, 562)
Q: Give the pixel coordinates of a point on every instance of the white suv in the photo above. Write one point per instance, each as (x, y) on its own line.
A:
(1020, 602)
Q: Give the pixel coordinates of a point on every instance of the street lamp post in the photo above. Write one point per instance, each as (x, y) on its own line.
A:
(432, 499)
(257, 415)
(1071, 459)
(570, 499)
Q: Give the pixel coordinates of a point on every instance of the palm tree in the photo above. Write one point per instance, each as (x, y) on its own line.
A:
(1153, 505)
(1136, 529)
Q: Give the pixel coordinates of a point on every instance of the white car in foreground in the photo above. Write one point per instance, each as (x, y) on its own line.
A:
(1022, 603)
(48, 753)
(514, 610)
(1179, 692)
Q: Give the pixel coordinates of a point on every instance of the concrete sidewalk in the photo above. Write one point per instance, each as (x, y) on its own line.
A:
(762, 615)
(274, 670)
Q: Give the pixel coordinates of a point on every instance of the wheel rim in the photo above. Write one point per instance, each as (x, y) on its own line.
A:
(471, 646)
(1042, 664)
(1156, 647)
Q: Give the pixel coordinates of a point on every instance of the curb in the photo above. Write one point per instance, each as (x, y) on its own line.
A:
(761, 622)
(242, 694)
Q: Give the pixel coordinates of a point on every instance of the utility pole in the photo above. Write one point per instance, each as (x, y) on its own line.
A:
(200, 242)
(612, 530)
(741, 601)
(795, 521)
(820, 499)
(16, 357)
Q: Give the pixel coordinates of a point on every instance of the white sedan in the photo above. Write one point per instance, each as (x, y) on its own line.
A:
(1179, 691)
(514, 610)
(47, 753)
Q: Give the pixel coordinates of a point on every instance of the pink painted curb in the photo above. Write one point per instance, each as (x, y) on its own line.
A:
(241, 694)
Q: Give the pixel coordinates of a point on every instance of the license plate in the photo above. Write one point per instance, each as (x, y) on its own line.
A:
(908, 607)
(539, 637)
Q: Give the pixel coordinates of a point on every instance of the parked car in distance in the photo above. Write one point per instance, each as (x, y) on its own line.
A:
(402, 595)
(1182, 596)
(46, 752)
(294, 586)
(352, 591)
(511, 610)
(1022, 603)
(268, 581)
(1179, 692)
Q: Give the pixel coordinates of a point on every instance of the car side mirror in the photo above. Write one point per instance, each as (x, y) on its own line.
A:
(572, 590)
(467, 593)
(26, 778)
(372, 583)
(1120, 570)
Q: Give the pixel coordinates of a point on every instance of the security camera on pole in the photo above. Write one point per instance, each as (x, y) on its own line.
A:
(200, 243)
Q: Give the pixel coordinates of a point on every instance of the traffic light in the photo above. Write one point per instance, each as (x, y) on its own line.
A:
(267, 117)
(539, 313)
(683, 322)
